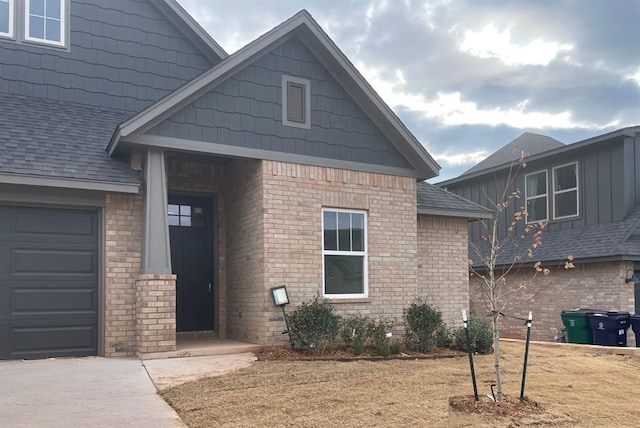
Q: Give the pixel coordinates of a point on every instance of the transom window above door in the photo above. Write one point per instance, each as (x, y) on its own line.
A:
(185, 215)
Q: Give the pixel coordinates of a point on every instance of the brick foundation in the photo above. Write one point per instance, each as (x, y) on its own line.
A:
(156, 313)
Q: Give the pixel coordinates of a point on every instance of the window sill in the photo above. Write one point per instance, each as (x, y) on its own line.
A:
(335, 301)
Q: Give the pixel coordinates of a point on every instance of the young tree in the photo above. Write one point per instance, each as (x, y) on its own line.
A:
(500, 256)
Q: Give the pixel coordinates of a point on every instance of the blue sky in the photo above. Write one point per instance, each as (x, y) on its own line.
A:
(468, 76)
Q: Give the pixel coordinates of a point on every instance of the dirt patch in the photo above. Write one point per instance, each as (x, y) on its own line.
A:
(512, 407)
(573, 386)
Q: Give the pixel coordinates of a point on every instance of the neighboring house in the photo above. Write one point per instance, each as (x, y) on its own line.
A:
(589, 193)
(151, 184)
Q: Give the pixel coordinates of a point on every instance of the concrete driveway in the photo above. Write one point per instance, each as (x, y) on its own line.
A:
(81, 392)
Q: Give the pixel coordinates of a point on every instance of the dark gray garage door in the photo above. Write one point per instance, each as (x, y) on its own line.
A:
(48, 282)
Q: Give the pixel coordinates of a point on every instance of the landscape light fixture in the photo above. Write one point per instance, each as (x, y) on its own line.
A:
(281, 299)
(280, 296)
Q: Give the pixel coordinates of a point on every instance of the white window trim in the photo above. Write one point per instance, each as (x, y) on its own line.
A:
(12, 18)
(546, 195)
(365, 261)
(307, 101)
(63, 26)
(576, 189)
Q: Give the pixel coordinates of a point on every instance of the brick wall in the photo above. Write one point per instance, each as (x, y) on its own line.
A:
(593, 285)
(294, 196)
(443, 279)
(156, 313)
(244, 233)
(123, 253)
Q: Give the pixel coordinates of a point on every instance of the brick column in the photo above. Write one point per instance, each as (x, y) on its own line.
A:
(156, 313)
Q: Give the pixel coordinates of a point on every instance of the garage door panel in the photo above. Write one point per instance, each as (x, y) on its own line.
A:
(52, 340)
(50, 222)
(48, 301)
(49, 263)
(52, 262)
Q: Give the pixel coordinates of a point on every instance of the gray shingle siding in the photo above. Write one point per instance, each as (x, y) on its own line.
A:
(124, 54)
(246, 111)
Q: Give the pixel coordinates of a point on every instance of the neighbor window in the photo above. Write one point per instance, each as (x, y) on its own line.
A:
(536, 196)
(45, 21)
(565, 191)
(295, 102)
(345, 253)
(6, 18)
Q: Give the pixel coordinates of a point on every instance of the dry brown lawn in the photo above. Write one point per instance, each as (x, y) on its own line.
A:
(577, 387)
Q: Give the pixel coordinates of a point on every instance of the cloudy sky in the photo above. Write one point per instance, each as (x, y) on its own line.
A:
(468, 76)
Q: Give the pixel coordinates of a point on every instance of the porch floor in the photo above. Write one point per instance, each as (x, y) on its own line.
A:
(200, 347)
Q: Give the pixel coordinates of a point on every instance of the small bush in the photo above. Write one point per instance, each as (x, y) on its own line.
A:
(379, 338)
(358, 347)
(424, 329)
(396, 347)
(356, 329)
(311, 323)
(480, 335)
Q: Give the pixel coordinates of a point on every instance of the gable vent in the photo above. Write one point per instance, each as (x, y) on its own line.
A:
(295, 102)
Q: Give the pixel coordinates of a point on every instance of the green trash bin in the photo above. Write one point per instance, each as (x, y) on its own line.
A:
(577, 323)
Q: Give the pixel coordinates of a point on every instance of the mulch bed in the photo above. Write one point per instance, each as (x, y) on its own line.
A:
(510, 406)
(343, 353)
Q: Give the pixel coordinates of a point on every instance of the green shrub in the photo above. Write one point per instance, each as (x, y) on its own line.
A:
(424, 329)
(356, 329)
(480, 335)
(312, 323)
(379, 338)
(358, 347)
(396, 347)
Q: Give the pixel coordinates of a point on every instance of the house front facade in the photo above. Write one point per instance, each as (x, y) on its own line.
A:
(588, 194)
(151, 184)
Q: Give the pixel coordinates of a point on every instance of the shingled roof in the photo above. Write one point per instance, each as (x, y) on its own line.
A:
(433, 200)
(59, 140)
(527, 142)
(616, 240)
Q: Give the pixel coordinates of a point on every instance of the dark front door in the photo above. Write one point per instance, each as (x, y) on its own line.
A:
(191, 233)
(48, 282)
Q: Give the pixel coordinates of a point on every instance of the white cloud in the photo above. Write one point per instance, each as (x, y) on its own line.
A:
(450, 109)
(490, 43)
(635, 77)
(461, 158)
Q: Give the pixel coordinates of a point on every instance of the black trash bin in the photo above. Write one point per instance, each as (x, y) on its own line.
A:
(577, 323)
(609, 328)
(634, 320)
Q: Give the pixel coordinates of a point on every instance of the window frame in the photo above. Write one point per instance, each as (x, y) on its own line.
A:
(576, 189)
(527, 197)
(64, 19)
(12, 18)
(363, 254)
(306, 83)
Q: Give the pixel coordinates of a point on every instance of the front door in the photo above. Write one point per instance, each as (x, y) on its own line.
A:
(191, 233)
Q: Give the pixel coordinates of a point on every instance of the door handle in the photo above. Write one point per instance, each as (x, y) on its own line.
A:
(209, 286)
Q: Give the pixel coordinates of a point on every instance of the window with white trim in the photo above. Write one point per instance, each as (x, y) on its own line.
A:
(6, 18)
(565, 191)
(344, 253)
(45, 21)
(296, 108)
(536, 196)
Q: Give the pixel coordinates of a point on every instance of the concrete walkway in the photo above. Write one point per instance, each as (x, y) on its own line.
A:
(100, 392)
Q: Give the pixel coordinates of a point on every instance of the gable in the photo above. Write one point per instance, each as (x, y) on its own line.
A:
(123, 55)
(245, 110)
